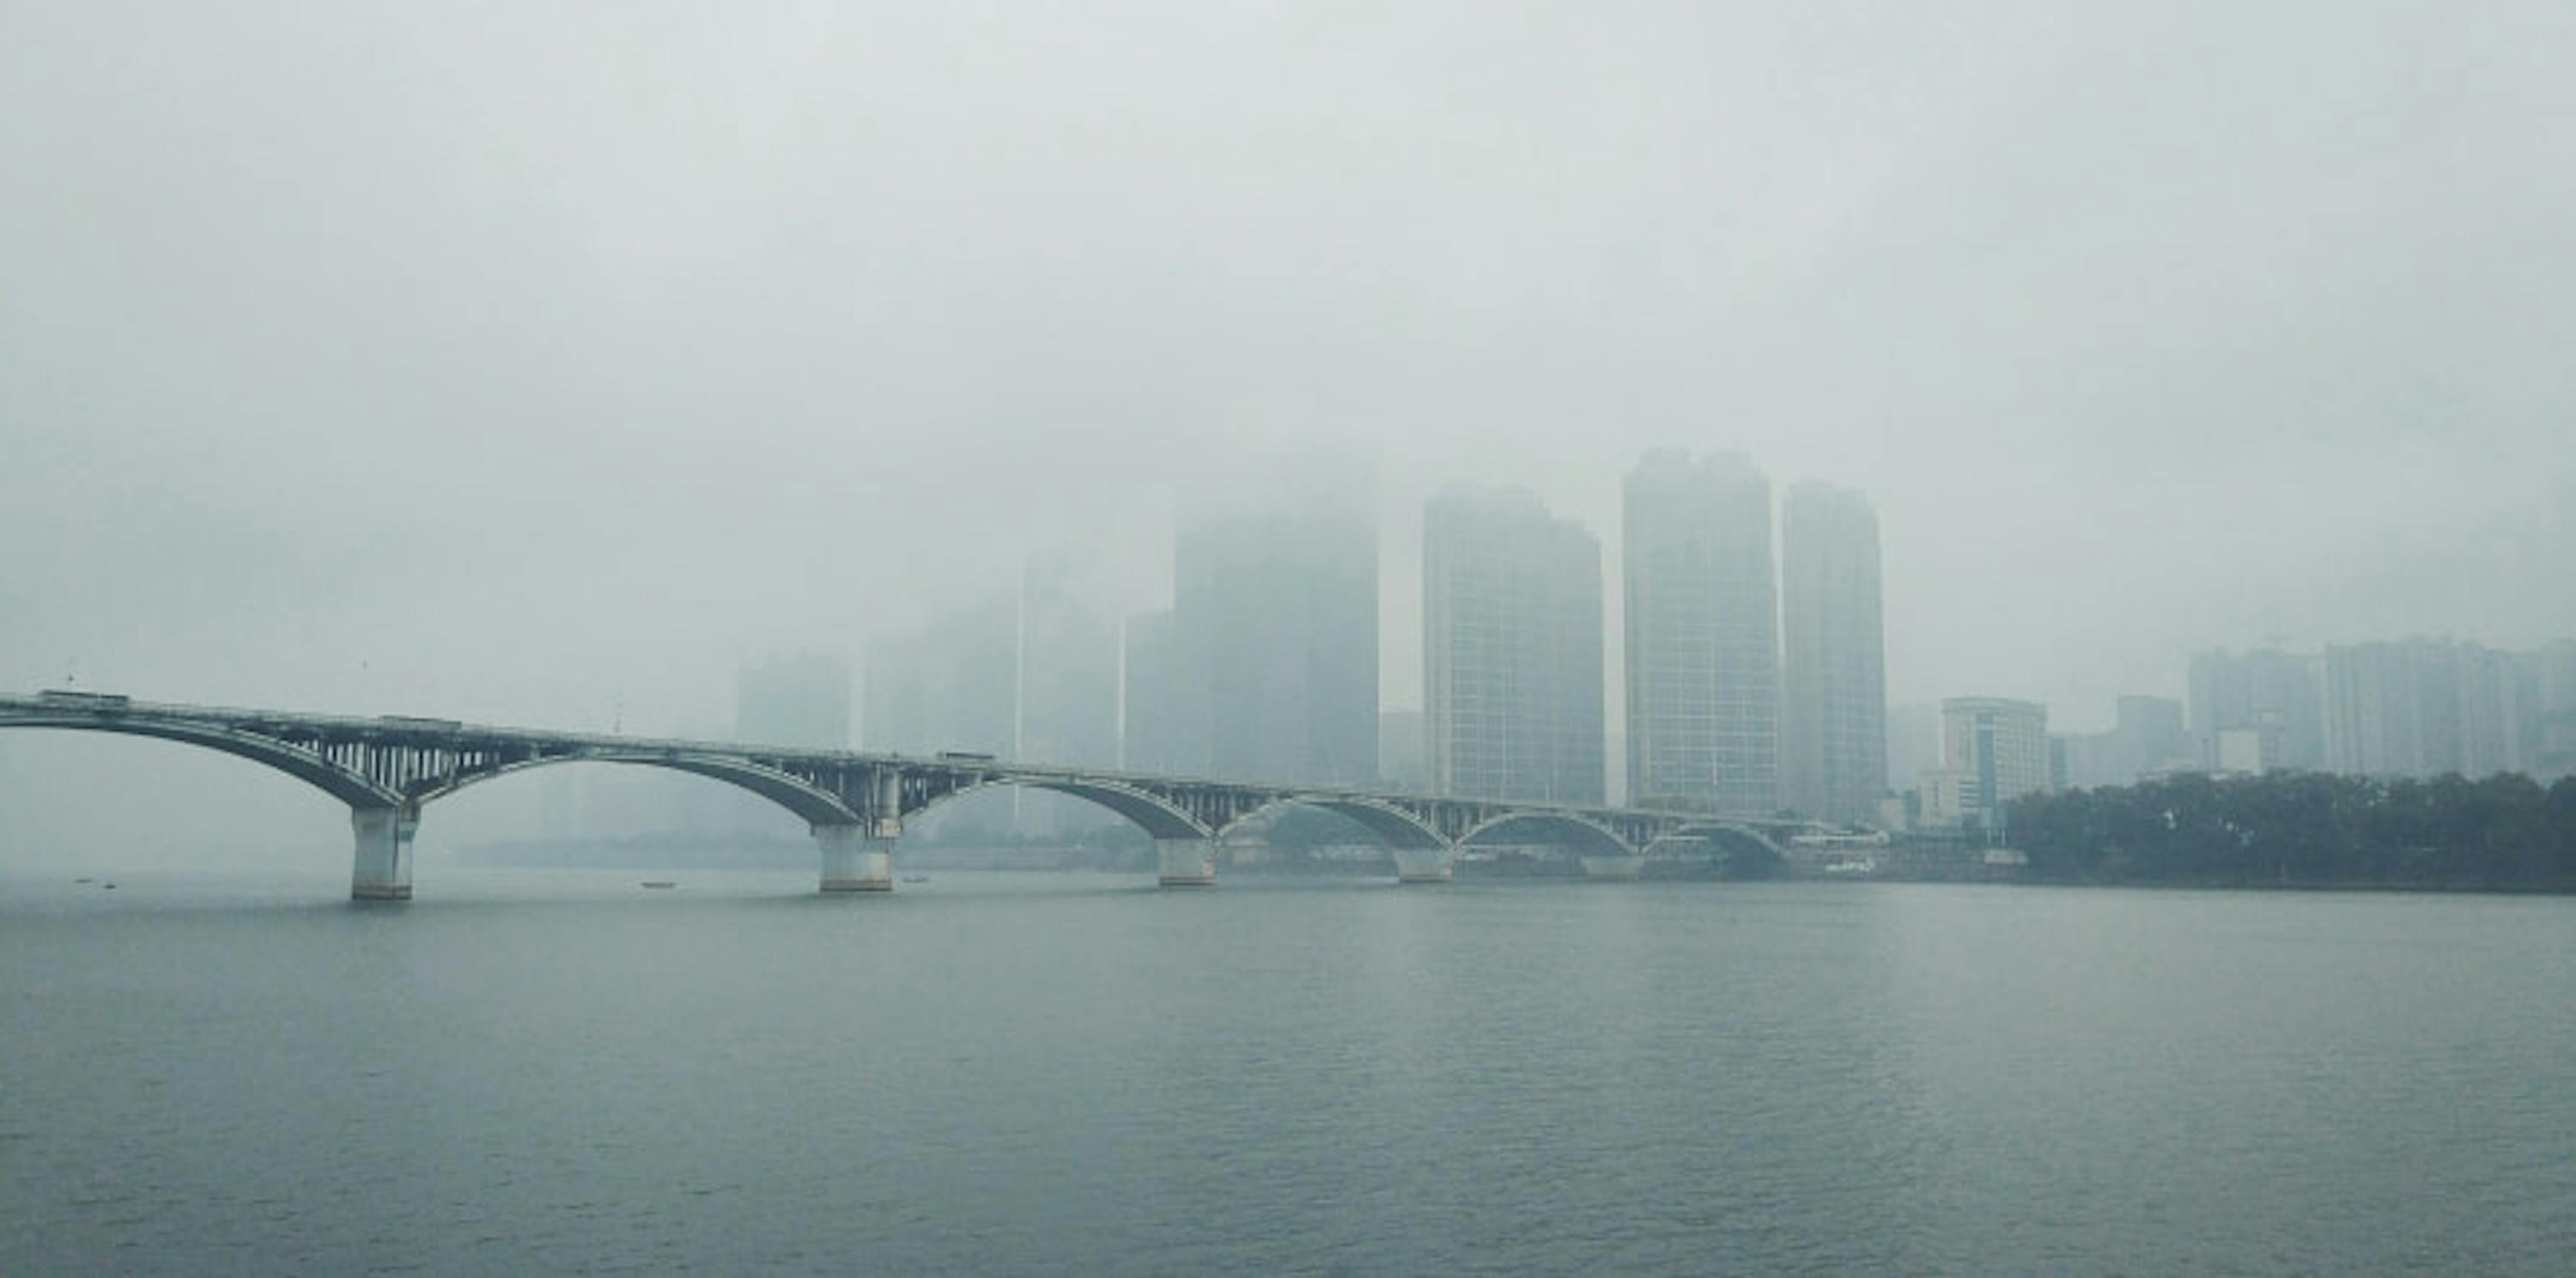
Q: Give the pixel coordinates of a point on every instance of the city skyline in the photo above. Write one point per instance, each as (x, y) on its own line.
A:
(652, 701)
(848, 635)
(635, 397)
(1485, 551)
(1064, 706)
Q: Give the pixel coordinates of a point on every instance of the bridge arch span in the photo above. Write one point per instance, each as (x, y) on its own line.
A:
(1606, 839)
(1184, 843)
(345, 784)
(817, 807)
(1736, 850)
(1160, 819)
(1672, 843)
(1390, 825)
(1730, 835)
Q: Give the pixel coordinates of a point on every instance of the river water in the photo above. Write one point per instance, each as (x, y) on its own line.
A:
(524, 1071)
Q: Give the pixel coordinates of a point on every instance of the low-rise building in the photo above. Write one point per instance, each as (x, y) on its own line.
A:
(1994, 750)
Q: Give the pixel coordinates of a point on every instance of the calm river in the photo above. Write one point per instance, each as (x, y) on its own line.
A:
(523, 1071)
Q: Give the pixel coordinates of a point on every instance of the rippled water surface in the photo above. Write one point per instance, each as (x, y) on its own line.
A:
(1068, 1073)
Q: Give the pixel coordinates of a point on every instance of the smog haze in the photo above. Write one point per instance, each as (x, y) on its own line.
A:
(543, 364)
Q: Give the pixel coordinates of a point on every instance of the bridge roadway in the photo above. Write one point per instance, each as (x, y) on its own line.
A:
(389, 767)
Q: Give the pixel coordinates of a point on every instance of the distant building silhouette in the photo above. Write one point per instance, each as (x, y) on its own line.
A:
(1274, 594)
(1833, 725)
(952, 684)
(1511, 650)
(2549, 729)
(2421, 708)
(1164, 727)
(2151, 731)
(1069, 660)
(2147, 738)
(1703, 650)
(2279, 696)
(2390, 708)
(1069, 673)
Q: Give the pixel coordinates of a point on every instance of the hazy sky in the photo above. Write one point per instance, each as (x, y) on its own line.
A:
(541, 362)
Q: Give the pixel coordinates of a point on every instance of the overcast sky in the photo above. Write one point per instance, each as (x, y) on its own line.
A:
(541, 362)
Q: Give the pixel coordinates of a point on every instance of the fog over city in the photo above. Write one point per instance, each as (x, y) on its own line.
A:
(545, 364)
(1925, 637)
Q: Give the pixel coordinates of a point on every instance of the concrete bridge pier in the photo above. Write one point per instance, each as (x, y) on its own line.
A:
(1187, 862)
(853, 861)
(1424, 865)
(381, 870)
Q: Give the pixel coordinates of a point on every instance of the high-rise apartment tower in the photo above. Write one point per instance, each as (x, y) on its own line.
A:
(1274, 598)
(1511, 650)
(1703, 650)
(1833, 727)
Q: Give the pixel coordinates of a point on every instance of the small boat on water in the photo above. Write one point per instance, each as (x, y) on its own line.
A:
(84, 880)
(916, 878)
(660, 883)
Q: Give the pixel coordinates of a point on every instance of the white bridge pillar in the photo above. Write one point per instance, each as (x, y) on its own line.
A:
(853, 861)
(1187, 862)
(381, 870)
(1424, 865)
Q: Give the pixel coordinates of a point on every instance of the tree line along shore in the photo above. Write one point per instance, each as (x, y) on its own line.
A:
(2504, 833)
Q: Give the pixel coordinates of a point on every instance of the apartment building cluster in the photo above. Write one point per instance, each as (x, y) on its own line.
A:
(2413, 708)
(1264, 667)
(2402, 708)
(1754, 680)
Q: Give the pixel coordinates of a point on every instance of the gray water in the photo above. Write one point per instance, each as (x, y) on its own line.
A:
(1071, 1073)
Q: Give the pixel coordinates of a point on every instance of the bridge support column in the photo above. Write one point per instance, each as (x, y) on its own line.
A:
(1423, 865)
(1613, 867)
(381, 870)
(854, 862)
(1187, 862)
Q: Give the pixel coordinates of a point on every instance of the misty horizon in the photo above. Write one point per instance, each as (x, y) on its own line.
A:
(1660, 637)
(547, 367)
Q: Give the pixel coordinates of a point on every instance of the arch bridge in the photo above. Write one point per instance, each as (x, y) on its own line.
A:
(387, 768)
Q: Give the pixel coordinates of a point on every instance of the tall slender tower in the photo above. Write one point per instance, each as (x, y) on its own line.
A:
(1703, 635)
(1833, 731)
(1511, 650)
